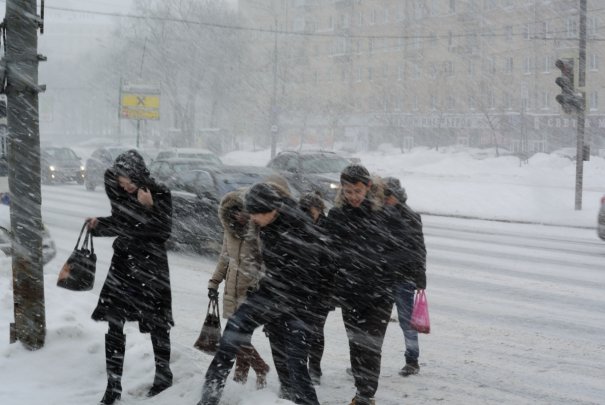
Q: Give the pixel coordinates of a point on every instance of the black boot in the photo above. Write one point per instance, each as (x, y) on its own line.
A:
(410, 368)
(115, 347)
(160, 339)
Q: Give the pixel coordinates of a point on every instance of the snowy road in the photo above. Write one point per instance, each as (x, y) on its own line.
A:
(517, 311)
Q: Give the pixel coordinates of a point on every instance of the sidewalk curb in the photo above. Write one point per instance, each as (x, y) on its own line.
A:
(508, 221)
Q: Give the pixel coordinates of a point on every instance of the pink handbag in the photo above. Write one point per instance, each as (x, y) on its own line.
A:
(420, 314)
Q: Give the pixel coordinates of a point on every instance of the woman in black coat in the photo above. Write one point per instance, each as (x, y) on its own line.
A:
(137, 287)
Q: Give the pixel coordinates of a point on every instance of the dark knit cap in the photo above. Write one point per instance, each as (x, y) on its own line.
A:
(262, 198)
(355, 174)
(392, 186)
(310, 200)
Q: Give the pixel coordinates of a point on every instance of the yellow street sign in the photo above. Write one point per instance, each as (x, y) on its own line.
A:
(140, 101)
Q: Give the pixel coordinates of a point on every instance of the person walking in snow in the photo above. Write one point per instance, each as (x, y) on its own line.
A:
(313, 205)
(239, 266)
(411, 274)
(365, 235)
(137, 287)
(284, 296)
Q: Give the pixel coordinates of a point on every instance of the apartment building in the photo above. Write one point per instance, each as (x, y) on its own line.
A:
(429, 72)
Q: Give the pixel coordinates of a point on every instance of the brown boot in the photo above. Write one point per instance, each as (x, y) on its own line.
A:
(260, 368)
(242, 365)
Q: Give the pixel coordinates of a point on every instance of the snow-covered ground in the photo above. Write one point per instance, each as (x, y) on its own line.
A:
(516, 309)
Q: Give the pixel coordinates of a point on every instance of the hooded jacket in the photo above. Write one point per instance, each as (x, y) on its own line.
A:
(137, 287)
(239, 264)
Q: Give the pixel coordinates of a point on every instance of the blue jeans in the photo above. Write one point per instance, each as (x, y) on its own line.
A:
(404, 299)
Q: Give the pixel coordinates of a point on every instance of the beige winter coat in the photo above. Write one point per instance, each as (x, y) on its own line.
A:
(240, 261)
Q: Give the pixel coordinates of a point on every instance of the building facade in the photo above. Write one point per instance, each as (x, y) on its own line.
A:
(427, 72)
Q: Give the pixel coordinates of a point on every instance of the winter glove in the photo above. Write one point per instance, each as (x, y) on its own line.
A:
(213, 293)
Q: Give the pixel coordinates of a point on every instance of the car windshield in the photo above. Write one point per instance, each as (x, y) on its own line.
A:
(208, 157)
(61, 154)
(227, 182)
(181, 167)
(323, 164)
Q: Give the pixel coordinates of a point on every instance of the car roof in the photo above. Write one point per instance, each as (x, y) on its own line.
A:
(309, 152)
(187, 150)
(182, 160)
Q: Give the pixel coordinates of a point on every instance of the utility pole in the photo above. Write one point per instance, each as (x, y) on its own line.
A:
(580, 152)
(22, 58)
(274, 128)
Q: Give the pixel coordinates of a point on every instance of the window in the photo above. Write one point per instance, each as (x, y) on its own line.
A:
(527, 32)
(545, 100)
(370, 45)
(416, 71)
(490, 65)
(527, 65)
(415, 103)
(545, 29)
(508, 32)
(370, 73)
(508, 65)
(452, 6)
(400, 72)
(373, 16)
(472, 103)
(359, 73)
(471, 68)
(594, 101)
(386, 15)
(592, 26)
(491, 100)
(508, 101)
(593, 62)
(571, 26)
(433, 102)
(547, 64)
(451, 102)
(448, 68)
(433, 70)
(385, 71)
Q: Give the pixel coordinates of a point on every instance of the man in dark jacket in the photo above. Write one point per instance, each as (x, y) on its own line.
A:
(411, 275)
(366, 236)
(283, 300)
(137, 287)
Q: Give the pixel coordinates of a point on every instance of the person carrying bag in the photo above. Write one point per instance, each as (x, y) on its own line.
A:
(78, 272)
(210, 334)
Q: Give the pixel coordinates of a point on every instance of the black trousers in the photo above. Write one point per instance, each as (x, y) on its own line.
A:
(317, 340)
(366, 323)
(288, 342)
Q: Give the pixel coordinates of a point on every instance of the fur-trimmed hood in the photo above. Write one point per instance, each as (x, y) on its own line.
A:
(375, 195)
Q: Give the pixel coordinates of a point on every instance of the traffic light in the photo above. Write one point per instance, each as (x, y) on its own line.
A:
(570, 102)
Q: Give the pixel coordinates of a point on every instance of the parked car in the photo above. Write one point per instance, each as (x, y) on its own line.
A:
(102, 159)
(196, 196)
(601, 220)
(49, 250)
(168, 170)
(309, 171)
(60, 164)
(190, 153)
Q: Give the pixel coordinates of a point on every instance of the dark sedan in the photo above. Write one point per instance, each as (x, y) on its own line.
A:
(311, 171)
(60, 165)
(196, 196)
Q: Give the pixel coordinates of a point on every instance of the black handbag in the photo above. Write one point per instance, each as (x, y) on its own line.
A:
(78, 272)
(210, 334)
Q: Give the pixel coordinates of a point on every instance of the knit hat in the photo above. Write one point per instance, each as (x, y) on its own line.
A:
(354, 174)
(261, 198)
(392, 186)
(310, 200)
